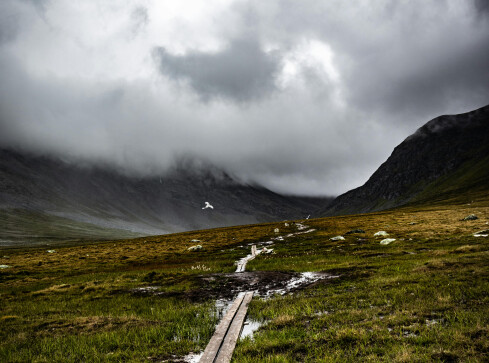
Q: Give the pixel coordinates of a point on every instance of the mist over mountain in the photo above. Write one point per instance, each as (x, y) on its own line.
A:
(69, 200)
(448, 157)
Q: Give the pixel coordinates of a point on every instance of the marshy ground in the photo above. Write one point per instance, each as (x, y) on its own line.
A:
(424, 297)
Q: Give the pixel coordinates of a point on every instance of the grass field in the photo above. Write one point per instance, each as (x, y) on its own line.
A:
(424, 297)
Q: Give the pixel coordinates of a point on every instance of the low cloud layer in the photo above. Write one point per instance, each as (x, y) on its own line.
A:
(304, 98)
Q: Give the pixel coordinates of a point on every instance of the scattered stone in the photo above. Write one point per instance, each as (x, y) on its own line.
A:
(51, 251)
(276, 230)
(387, 241)
(337, 238)
(355, 231)
(195, 240)
(381, 234)
(4, 266)
(412, 223)
(470, 217)
(195, 248)
(286, 224)
(484, 233)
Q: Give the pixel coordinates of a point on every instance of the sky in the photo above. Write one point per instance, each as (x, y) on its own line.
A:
(304, 97)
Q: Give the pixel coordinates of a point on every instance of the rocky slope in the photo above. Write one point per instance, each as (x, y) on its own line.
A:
(43, 198)
(446, 157)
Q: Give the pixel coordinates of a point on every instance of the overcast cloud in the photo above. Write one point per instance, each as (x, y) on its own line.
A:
(304, 97)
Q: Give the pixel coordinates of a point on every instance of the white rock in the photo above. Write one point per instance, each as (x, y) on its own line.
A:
(387, 241)
(381, 234)
(195, 248)
(337, 238)
(195, 240)
(4, 266)
(51, 251)
(286, 224)
(276, 230)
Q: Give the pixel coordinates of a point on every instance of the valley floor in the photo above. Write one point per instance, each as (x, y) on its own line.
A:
(423, 297)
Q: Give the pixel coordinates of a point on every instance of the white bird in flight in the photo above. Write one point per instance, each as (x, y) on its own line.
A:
(208, 205)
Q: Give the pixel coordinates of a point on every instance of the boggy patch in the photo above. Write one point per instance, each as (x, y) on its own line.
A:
(227, 286)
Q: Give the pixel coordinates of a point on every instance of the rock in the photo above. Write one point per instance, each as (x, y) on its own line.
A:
(484, 233)
(381, 234)
(286, 224)
(387, 241)
(266, 250)
(195, 240)
(195, 248)
(337, 238)
(470, 217)
(355, 231)
(4, 266)
(51, 251)
(276, 230)
(412, 223)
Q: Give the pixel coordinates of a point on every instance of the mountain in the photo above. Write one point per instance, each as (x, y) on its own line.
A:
(45, 198)
(447, 158)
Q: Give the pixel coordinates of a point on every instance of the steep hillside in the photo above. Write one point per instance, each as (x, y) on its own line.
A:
(44, 198)
(447, 158)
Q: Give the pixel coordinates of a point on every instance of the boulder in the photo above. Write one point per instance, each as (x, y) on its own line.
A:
(484, 233)
(387, 241)
(381, 234)
(470, 217)
(195, 248)
(337, 238)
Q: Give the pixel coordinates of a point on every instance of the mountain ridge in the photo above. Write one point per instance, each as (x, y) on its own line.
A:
(93, 195)
(436, 150)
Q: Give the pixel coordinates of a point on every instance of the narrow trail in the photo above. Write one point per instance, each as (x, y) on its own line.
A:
(221, 346)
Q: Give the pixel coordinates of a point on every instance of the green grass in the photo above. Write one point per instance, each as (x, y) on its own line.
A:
(424, 297)
(31, 227)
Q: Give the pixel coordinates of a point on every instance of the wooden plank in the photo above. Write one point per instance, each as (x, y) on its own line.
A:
(229, 343)
(242, 263)
(212, 349)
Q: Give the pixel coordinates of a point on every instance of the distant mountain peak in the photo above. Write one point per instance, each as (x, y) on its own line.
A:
(447, 154)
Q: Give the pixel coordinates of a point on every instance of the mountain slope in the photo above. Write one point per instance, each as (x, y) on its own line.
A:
(99, 202)
(448, 157)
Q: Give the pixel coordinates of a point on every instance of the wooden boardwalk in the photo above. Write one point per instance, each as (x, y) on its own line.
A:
(242, 263)
(221, 346)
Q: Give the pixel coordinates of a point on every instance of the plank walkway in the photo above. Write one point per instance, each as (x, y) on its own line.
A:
(221, 346)
(242, 263)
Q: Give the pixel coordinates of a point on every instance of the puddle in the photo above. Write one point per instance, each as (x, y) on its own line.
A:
(302, 280)
(145, 289)
(193, 357)
(249, 327)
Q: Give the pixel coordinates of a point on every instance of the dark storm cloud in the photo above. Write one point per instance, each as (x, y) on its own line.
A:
(482, 6)
(303, 97)
(242, 71)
